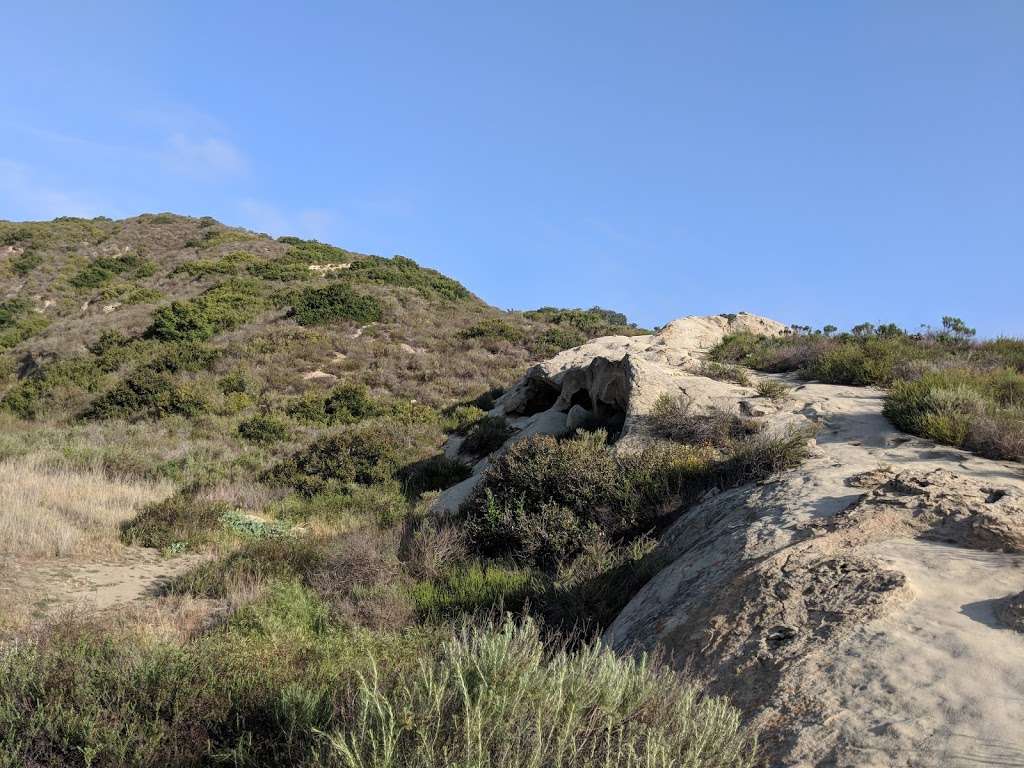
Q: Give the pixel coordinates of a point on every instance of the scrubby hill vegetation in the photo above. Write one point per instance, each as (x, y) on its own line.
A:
(281, 406)
(943, 384)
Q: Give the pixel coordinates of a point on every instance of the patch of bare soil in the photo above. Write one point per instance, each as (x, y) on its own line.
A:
(34, 589)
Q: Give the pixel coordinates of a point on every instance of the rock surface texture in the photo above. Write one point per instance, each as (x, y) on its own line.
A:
(864, 609)
(857, 608)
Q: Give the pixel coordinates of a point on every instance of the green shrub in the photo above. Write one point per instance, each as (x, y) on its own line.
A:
(32, 396)
(179, 520)
(591, 322)
(554, 340)
(235, 382)
(672, 418)
(497, 698)
(978, 410)
(213, 238)
(99, 271)
(251, 527)
(772, 389)
(760, 456)
(461, 418)
(724, 372)
(265, 430)
(590, 591)
(18, 322)
(473, 588)
(434, 474)
(493, 328)
(258, 562)
(404, 272)
(365, 453)
(221, 308)
(25, 262)
(146, 394)
(281, 270)
(489, 434)
(543, 500)
(317, 306)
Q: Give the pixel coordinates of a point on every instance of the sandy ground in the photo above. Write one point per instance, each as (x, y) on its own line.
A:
(935, 681)
(34, 589)
(940, 682)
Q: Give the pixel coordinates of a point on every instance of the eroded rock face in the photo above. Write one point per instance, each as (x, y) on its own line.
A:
(611, 383)
(854, 606)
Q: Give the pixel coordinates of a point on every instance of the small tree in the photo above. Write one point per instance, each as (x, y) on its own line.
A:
(956, 328)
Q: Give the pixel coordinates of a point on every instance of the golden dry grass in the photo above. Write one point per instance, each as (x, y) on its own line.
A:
(48, 509)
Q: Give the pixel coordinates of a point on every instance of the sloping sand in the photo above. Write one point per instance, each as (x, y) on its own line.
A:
(915, 669)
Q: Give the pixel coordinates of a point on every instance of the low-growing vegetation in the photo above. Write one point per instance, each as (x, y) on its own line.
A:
(279, 421)
(943, 384)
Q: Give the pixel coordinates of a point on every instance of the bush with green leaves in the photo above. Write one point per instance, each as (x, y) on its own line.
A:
(725, 372)
(592, 322)
(773, 389)
(26, 261)
(318, 306)
(543, 500)
(147, 394)
(979, 411)
(672, 417)
(32, 396)
(403, 272)
(489, 434)
(18, 322)
(221, 308)
(178, 520)
(434, 474)
(365, 453)
(263, 429)
(493, 328)
(101, 270)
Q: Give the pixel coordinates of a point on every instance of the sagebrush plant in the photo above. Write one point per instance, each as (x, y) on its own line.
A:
(497, 698)
(544, 500)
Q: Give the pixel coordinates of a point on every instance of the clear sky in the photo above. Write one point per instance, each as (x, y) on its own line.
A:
(818, 162)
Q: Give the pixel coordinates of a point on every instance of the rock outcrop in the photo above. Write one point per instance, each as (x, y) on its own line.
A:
(855, 607)
(612, 383)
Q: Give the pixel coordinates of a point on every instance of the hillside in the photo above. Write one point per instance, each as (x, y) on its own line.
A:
(271, 502)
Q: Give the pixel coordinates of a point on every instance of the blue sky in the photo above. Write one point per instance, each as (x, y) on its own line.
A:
(815, 162)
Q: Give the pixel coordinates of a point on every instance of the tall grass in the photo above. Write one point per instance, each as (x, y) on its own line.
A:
(498, 699)
(48, 509)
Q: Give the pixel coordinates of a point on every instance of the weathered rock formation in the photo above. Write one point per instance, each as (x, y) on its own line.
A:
(612, 383)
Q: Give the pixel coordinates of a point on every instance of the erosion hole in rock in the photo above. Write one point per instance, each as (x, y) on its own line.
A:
(582, 397)
(592, 414)
(540, 396)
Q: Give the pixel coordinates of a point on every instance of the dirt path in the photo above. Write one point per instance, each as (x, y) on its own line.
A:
(35, 588)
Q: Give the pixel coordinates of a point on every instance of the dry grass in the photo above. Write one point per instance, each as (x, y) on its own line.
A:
(50, 510)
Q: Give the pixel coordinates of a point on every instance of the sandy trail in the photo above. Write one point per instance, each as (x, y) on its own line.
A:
(935, 681)
(33, 589)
